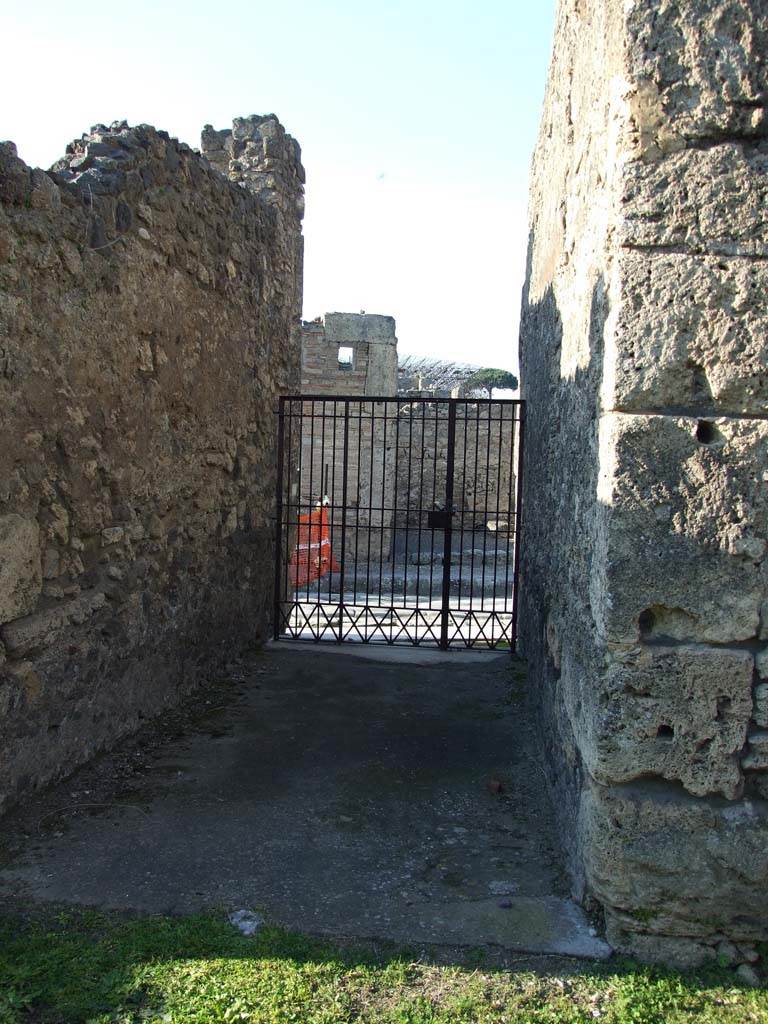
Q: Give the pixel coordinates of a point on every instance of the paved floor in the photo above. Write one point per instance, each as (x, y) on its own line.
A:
(383, 799)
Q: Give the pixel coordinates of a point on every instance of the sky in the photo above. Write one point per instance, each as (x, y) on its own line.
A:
(416, 119)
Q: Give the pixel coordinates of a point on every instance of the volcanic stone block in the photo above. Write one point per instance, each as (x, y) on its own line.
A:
(692, 332)
(756, 757)
(702, 201)
(675, 864)
(645, 562)
(20, 573)
(761, 705)
(677, 712)
(685, 518)
(705, 62)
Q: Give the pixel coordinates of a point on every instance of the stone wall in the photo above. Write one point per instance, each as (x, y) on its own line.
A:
(373, 344)
(372, 370)
(485, 448)
(149, 316)
(644, 354)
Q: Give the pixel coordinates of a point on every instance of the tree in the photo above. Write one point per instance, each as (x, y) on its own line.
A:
(487, 379)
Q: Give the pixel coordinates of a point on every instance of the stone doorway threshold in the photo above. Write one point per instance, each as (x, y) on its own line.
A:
(399, 800)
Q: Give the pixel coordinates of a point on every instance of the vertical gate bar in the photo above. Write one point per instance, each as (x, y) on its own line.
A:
(511, 500)
(483, 604)
(420, 510)
(357, 507)
(322, 475)
(381, 527)
(309, 482)
(394, 504)
(434, 495)
(471, 615)
(288, 505)
(279, 519)
(502, 407)
(447, 535)
(302, 472)
(408, 509)
(461, 521)
(344, 481)
(332, 506)
(372, 410)
(518, 525)
(463, 500)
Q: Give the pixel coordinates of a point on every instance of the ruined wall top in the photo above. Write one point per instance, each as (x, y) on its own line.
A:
(258, 154)
(370, 328)
(349, 353)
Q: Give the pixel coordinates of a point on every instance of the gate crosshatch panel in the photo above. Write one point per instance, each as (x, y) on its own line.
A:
(398, 520)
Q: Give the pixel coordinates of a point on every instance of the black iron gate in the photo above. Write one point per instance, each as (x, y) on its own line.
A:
(398, 520)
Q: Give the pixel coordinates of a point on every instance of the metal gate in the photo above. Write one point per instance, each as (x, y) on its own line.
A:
(398, 520)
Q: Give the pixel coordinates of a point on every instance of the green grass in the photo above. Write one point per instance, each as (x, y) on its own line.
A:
(87, 967)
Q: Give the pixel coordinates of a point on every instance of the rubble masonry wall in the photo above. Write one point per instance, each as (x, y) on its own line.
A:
(149, 316)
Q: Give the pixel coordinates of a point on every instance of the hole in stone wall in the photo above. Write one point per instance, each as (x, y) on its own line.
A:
(665, 732)
(700, 389)
(646, 622)
(346, 357)
(659, 620)
(723, 706)
(707, 433)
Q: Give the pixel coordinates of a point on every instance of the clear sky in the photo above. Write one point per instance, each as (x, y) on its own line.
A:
(416, 119)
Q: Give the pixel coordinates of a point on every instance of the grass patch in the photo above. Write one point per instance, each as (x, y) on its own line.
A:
(101, 969)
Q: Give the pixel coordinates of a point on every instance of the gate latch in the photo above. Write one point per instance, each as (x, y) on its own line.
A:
(440, 518)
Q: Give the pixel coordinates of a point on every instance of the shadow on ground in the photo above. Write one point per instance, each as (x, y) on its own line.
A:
(338, 796)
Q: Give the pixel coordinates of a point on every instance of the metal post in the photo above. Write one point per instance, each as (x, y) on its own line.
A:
(344, 477)
(448, 531)
(279, 512)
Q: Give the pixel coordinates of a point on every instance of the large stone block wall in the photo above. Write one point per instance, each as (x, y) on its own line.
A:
(644, 356)
(149, 316)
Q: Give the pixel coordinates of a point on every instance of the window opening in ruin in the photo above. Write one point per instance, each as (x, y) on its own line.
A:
(412, 539)
(346, 357)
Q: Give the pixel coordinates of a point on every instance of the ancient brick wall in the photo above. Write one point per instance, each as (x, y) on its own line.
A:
(366, 340)
(644, 364)
(149, 316)
(369, 343)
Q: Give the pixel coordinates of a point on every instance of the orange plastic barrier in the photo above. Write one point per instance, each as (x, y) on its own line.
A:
(313, 557)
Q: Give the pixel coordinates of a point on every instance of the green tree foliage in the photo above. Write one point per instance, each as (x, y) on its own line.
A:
(488, 379)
